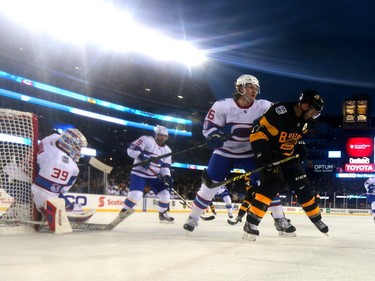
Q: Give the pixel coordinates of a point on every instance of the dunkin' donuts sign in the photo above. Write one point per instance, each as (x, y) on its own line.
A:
(360, 152)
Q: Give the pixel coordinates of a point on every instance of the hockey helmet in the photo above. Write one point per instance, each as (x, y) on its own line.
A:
(313, 98)
(242, 81)
(161, 134)
(245, 79)
(72, 141)
(161, 130)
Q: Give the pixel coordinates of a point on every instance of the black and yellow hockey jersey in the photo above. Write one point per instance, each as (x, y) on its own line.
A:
(277, 132)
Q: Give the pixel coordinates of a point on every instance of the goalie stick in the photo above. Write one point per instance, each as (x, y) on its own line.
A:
(103, 227)
(209, 218)
(81, 225)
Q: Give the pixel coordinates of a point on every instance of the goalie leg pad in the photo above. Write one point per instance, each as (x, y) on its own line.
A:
(38, 216)
(56, 216)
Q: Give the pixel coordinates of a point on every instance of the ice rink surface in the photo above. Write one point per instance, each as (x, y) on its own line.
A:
(143, 249)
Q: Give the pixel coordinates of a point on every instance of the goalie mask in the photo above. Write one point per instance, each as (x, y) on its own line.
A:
(242, 82)
(72, 141)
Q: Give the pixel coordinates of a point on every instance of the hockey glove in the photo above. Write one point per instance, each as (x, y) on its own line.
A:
(301, 149)
(167, 181)
(250, 189)
(77, 208)
(216, 139)
(270, 168)
(68, 205)
(144, 157)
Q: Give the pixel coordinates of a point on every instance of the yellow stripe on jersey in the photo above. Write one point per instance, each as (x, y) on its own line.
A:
(308, 203)
(258, 212)
(263, 199)
(245, 205)
(258, 136)
(313, 213)
(270, 128)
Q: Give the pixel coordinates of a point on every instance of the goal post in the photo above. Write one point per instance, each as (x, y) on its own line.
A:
(18, 149)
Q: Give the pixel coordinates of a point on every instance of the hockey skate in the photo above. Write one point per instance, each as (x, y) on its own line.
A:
(77, 214)
(190, 224)
(322, 227)
(284, 227)
(165, 218)
(251, 231)
(213, 210)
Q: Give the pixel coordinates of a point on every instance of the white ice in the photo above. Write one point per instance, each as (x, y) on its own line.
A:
(143, 249)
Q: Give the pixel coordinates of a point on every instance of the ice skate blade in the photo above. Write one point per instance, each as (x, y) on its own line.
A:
(287, 235)
(249, 237)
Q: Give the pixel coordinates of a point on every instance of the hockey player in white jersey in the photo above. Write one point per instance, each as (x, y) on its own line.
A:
(224, 194)
(56, 170)
(370, 194)
(156, 174)
(227, 128)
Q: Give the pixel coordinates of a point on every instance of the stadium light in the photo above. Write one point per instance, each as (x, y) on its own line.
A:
(85, 113)
(27, 141)
(97, 22)
(92, 100)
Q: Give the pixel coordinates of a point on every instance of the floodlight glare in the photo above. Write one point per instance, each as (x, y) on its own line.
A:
(96, 22)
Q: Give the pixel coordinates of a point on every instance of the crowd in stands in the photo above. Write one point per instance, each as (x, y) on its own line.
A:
(187, 183)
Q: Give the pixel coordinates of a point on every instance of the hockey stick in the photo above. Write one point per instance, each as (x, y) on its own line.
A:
(233, 222)
(209, 218)
(103, 227)
(80, 226)
(151, 159)
(242, 176)
(100, 165)
(179, 196)
(18, 222)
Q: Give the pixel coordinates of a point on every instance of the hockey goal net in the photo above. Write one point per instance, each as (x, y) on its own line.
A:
(18, 148)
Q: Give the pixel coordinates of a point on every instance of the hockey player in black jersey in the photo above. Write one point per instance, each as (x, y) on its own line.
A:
(277, 135)
(283, 226)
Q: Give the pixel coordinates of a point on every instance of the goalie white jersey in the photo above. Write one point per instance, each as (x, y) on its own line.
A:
(148, 146)
(233, 120)
(56, 171)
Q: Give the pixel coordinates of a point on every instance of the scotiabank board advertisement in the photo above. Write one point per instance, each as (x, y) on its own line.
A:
(360, 155)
